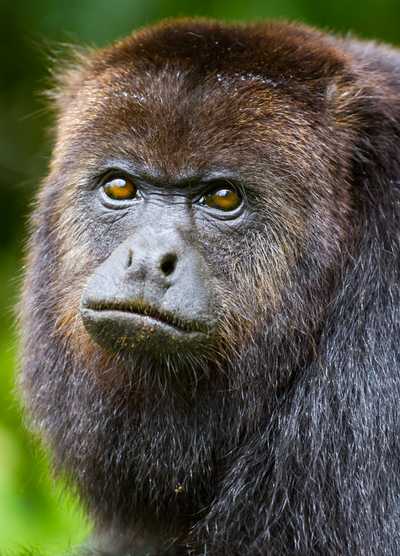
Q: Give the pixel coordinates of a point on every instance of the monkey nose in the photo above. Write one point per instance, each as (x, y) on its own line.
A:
(153, 257)
(155, 264)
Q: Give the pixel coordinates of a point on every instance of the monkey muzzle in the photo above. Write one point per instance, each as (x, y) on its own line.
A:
(150, 292)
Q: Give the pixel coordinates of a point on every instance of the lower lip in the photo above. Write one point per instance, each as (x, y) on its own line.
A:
(151, 324)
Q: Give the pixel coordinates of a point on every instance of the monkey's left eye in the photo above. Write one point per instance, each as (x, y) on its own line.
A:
(120, 189)
(225, 199)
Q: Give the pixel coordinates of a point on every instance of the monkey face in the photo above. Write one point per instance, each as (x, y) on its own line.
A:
(156, 291)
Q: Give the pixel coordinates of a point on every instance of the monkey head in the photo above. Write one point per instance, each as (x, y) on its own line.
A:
(188, 184)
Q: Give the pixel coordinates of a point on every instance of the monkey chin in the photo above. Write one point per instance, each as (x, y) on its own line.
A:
(126, 330)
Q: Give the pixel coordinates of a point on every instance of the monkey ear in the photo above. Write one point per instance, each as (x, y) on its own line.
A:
(69, 67)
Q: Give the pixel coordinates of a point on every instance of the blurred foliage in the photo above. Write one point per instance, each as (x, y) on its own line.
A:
(34, 511)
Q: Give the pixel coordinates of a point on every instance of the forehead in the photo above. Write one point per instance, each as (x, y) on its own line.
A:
(189, 94)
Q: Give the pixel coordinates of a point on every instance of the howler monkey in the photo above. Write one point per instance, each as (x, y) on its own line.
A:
(211, 324)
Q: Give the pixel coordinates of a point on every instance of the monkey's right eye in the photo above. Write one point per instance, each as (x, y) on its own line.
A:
(120, 189)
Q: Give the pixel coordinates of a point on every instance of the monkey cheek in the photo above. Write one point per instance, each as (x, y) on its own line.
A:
(118, 331)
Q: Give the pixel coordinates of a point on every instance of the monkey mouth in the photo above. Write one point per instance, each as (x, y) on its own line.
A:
(148, 314)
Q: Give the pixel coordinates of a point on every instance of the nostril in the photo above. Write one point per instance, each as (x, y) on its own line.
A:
(129, 258)
(168, 263)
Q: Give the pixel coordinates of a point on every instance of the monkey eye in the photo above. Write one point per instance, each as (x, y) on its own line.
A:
(120, 189)
(225, 198)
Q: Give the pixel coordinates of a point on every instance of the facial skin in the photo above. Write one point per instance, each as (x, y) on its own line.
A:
(156, 289)
(206, 305)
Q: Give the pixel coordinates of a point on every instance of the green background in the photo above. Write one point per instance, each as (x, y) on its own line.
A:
(36, 512)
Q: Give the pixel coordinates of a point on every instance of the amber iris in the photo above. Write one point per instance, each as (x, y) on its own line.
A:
(223, 199)
(120, 189)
